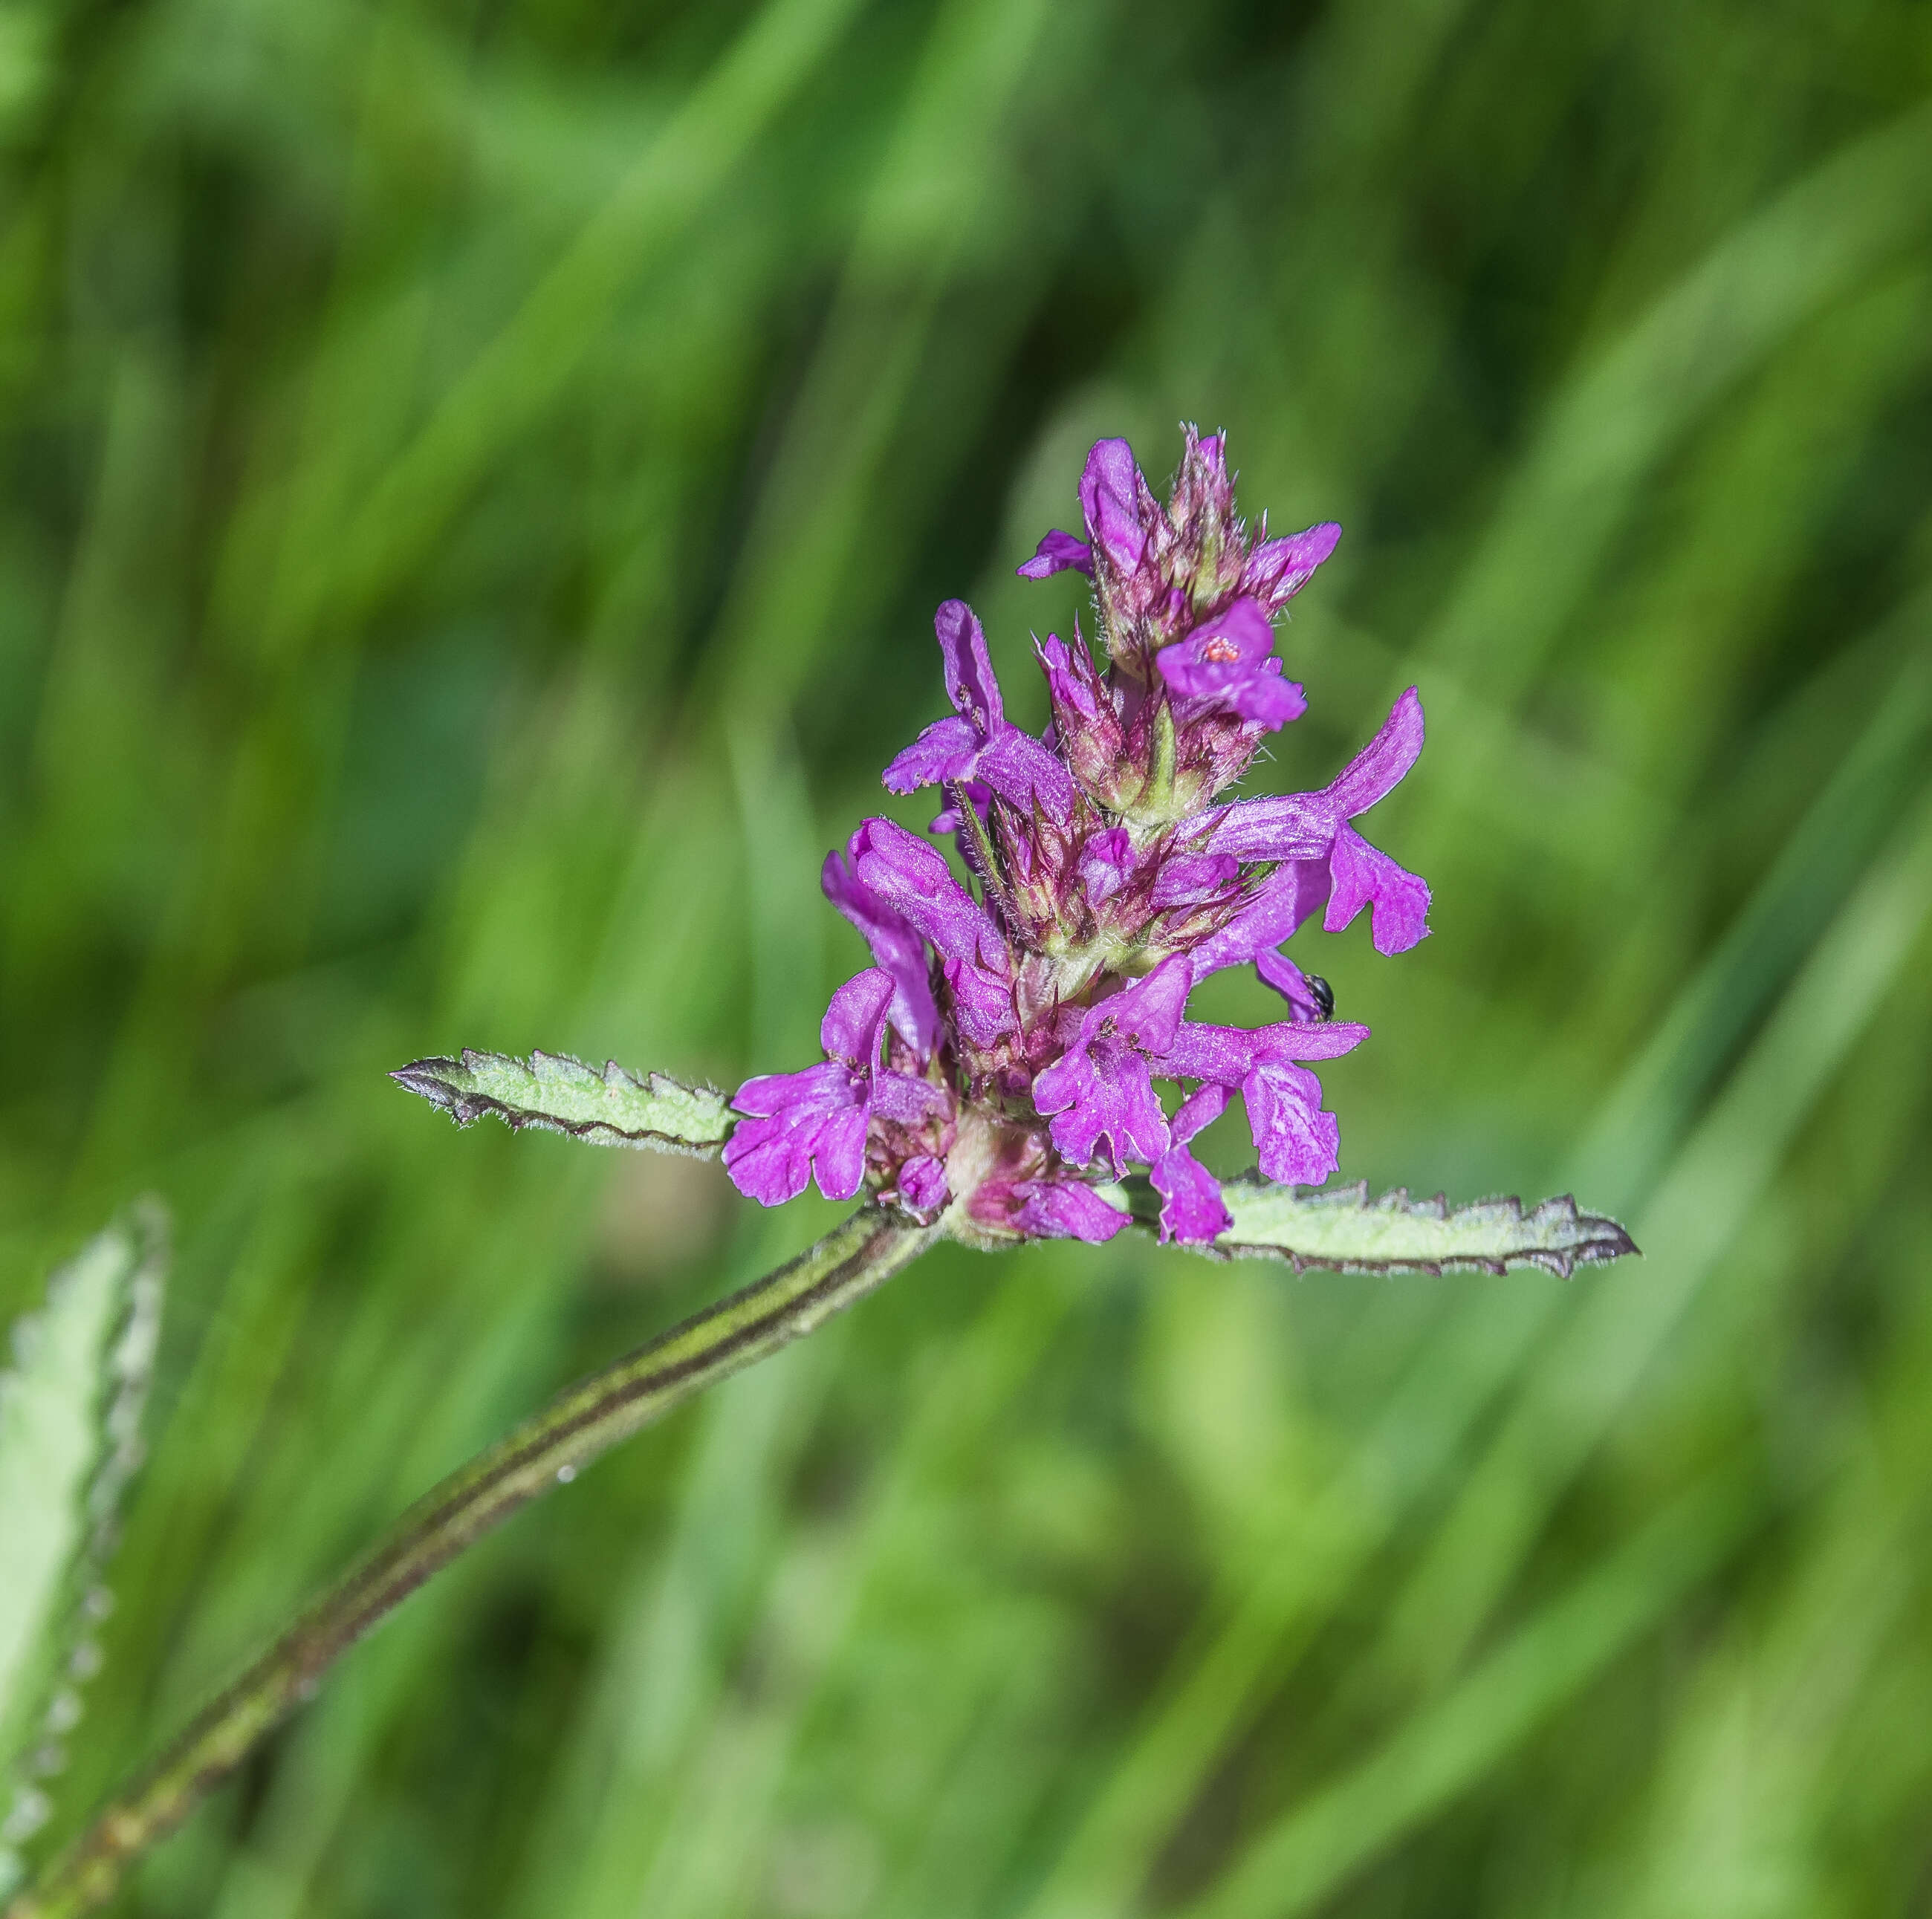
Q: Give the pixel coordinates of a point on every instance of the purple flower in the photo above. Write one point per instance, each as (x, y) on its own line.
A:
(913, 878)
(1192, 1209)
(814, 1122)
(1058, 553)
(898, 951)
(1100, 1088)
(922, 1183)
(1321, 857)
(1277, 570)
(1229, 658)
(978, 742)
(1115, 501)
(1063, 1210)
(1294, 1140)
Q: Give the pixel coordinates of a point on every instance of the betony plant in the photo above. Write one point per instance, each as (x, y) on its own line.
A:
(991, 1077)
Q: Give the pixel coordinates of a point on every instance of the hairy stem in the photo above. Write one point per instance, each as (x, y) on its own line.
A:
(582, 1423)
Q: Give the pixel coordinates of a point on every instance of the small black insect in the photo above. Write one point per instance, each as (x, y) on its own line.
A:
(1322, 993)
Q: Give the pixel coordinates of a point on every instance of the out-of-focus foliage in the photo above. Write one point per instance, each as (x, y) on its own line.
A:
(477, 480)
(71, 1408)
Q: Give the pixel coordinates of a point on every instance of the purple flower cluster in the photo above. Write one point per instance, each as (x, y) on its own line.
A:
(998, 1059)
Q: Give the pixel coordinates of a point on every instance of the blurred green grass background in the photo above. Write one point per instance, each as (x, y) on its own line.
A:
(477, 479)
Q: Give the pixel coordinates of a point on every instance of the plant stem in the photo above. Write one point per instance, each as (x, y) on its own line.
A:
(582, 1423)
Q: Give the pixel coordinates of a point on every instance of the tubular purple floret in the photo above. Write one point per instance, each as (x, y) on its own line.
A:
(1001, 1057)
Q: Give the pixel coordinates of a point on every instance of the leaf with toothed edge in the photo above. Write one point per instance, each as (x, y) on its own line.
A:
(614, 1107)
(1344, 1231)
(70, 1440)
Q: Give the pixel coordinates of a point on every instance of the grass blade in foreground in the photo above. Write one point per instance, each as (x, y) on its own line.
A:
(69, 1439)
(582, 1423)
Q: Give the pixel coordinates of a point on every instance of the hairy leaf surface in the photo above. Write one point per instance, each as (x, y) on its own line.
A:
(1346, 1230)
(614, 1107)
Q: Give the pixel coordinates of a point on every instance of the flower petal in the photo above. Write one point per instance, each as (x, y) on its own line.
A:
(854, 1024)
(1228, 659)
(1374, 772)
(1191, 879)
(1147, 1013)
(945, 751)
(1024, 774)
(1292, 892)
(1365, 875)
(897, 949)
(1286, 825)
(922, 1183)
(1110, 491)
(794, 1120)
(1058, 553)
(1279, 971)
(1065, 1209)
(913, 878)
(970, 684)
(1192, 1209)
(1278, 569)
(1296, 1143)
(1106, 862)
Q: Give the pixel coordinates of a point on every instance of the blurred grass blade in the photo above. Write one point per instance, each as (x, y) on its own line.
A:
(1629, 1142)
(1450, 1745)
(1194, 1717)
(519, 375)
(1345, 1231)
(1708, 1201)
(69, 1439)
(1625, 408)
(614, 1108)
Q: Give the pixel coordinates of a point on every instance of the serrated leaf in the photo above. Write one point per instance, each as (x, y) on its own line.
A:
(1345, 1231)
(614, 1108)
(69, 1440)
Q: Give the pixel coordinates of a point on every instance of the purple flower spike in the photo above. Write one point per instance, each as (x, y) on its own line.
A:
(1059, 552)
(1101, 1086)
(1230, 659)
(1033, 1010)
(1192, 1208)
(1278, 569)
